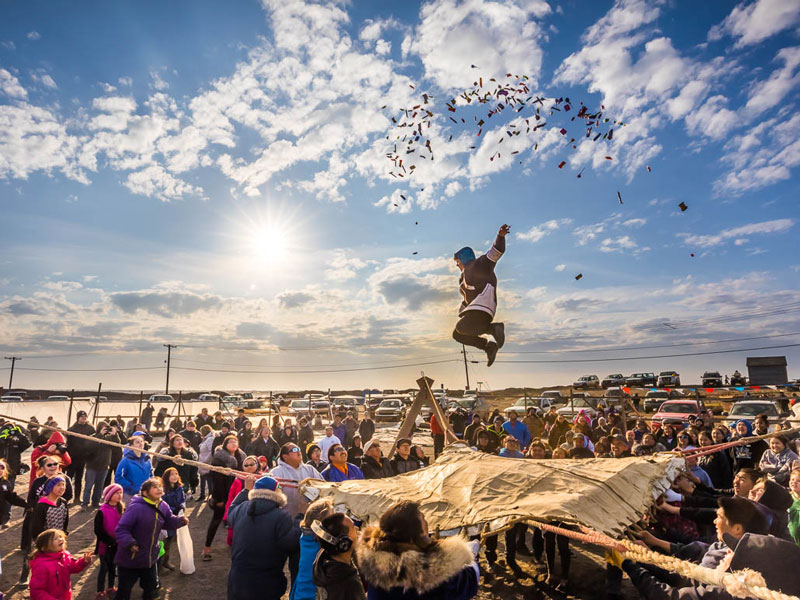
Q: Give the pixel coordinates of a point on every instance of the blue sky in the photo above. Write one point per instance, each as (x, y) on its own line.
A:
(213, 175)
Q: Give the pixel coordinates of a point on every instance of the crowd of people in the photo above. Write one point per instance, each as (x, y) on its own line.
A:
(725, 498)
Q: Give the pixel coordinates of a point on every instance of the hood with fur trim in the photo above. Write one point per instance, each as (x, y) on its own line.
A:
(386, 565)
(277, 496)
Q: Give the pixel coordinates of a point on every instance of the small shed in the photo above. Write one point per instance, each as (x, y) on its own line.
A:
(767, 370)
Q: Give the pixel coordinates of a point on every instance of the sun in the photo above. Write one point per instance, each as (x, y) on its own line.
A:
(269, 243)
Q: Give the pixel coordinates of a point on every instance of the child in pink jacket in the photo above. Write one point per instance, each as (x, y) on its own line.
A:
(52, 565)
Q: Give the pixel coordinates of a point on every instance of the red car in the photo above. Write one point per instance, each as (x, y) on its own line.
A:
(680, 410)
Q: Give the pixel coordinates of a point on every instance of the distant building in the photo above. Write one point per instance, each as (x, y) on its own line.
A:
(767, 370)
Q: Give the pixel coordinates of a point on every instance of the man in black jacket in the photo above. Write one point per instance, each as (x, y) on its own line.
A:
(374, 465)
(264, 445)
(402, 461)
(97, 463)
(366, 428)
(79, 449)
(478, 286)
(191, 435)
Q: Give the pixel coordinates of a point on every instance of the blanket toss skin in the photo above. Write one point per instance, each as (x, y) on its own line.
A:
(465, 489)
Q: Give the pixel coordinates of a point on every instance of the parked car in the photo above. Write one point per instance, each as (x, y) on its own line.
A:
(613, 380)
(474, 405)
(58, 398)
(586, 382)
(208, 398)
(235, 401)
(738, 379)
(320, 407)
(342, 404)
(522, 405)
(680, 410)
(555, 396)
(161, 398)
(300, 408)
(615, 392)
(392, 410)
(668, 379)
(10, 398)
(749, 409)
(712, 379)
(576, 405)
(653, 400)
(641, 380)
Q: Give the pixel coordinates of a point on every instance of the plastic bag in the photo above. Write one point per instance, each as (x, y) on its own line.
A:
(185, 550)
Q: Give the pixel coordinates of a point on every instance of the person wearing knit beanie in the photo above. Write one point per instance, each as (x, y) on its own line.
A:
(110, 490)
(51, 483)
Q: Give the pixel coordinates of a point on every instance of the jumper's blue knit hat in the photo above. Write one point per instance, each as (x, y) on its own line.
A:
(465, 255)
(266, 483)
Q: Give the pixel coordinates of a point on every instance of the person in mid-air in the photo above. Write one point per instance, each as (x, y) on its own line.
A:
(478, 286)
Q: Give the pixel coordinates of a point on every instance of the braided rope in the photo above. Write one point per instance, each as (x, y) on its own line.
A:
(703, 450)
(740, 584)
(175, 459)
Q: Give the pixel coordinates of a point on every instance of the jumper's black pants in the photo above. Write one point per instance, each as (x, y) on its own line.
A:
(471, 327)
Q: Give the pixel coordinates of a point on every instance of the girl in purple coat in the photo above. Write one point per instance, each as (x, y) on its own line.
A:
(137, 539)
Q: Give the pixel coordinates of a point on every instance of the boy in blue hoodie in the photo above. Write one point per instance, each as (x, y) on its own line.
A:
(304, 588)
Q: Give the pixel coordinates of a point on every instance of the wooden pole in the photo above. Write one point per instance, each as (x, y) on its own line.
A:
(97, 403)
(141, 399)
(71, 400)
(423, 395)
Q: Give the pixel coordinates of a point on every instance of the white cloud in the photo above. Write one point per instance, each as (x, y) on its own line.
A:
(762, 156)
(737, 233)
(41, 76)
(157, 182)
(537, 232)
(396, 202)
(157, 82)
(560, 267)
(125, 81)
(34, 35)
(753, 22)
(768, 93)
(8, 45)
(342, 267)
(636, 222)
(10, 85)
(498, 37)
(712, 119)
(621, 244)
(33, 139)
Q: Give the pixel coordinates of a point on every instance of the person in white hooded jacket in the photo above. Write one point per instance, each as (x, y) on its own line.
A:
(289, 473)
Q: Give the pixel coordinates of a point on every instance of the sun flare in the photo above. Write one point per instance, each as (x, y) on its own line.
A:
(269, 244)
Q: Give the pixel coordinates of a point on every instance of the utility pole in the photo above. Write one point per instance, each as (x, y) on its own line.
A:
(466, 370)
(169, 348)
(13, 360)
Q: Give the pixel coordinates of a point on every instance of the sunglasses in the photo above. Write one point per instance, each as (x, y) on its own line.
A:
(251, 464)
(295, 449)
(337, 450)
(51, 464)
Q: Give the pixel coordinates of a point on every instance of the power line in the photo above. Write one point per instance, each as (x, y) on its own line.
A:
(93, 370)
(378, 368)
(372, 362)
(589, 360)
(618, 348)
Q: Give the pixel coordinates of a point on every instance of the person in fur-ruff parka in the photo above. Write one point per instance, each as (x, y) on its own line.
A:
(399, 560)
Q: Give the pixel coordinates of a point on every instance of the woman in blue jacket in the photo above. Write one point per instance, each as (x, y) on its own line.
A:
(134, 469)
